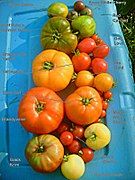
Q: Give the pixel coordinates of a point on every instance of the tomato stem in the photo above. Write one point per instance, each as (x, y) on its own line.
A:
(93, 136)
(39, 106)
(48, 65)
(74, 76)
(86, 101)
(40, 149)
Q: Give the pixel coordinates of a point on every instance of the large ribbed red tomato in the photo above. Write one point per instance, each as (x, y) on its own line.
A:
(42, 110)
(83, 106)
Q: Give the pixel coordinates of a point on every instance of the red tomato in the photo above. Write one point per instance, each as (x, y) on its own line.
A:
(86, 154)
(77, 131)
(101, 51)
(97, 39)
(99, 65)
(86, 45)
(63, 127)
(74, 147)
(104, 105)
(108, 95)
(103, 114)
(66, 138)
(81, 61)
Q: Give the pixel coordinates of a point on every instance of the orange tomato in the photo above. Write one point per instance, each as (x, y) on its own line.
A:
(84, 78)
(42, 110)
(52, 69)
(83, 106)
(103, 82)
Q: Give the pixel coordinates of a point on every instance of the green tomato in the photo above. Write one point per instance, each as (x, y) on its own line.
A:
(97, 136)
(84, 25)
(58, 9)
(73, 167)
(56, 34)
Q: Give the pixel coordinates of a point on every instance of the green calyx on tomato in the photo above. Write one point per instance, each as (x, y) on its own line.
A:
(40, 149)
(85, 25)
(48, 65)
(86, 101)
(39, 106)
(56, 34)
(93, 136)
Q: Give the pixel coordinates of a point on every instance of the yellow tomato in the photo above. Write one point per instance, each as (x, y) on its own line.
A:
(84, 78)
(97, 136)
(103, 82)
(72, 167)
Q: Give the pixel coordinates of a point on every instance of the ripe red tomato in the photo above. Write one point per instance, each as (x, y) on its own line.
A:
(86, 154)
(81, 61)
(101, 51)
(97, 39)
(74, 147)
(108, 95)
(62, 127)
(77, 131)
(104, 105)
(66, 138)
(86, 45)
(99, 65)
(103, 114)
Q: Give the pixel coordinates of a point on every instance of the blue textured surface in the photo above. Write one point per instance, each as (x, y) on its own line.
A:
(117, 161)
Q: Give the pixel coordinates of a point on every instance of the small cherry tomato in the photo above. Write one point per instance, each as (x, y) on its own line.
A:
(86, 11)
(99, 65)
(62, 127)
(103, 114)
(77, 131)
(79, 6)
(86, 154)
(72, 15)
(86, 45)
(108, 95)
(97, 39)
(81, 61)
(74, 147)
(104, 105)
(101, 51)
(66, 138)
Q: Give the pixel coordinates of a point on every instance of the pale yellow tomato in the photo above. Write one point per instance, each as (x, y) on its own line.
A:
(84, 78)
(97, 136)
(72, 167)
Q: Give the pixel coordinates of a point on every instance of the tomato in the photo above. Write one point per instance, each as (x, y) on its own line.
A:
(77, 131)
(44, 153)
(52, 69)
(103, 82)
(97, 39)
(86, 11)
(97, 136)
(86, 45)
(86, 154)
(81, 61)
(79, 5)
(57, 9)
(104, 105)
(99, 65)
(62, 127)
(83, 106)
(74, 147)
(72, 15)
(72, 167)
(66, 138)
(101, 51)
(56, 34)
(84, 78)
(84, 25)
(108, 95)
(103, 114)
(42, 110)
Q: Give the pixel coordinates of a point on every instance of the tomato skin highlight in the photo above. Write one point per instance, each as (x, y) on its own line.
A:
(74, 147)
(103, 114)
(81, 62)
(86, 45)
(101, 51)
(86, 154)
(99, 65)
(66, 138)
(108, 95)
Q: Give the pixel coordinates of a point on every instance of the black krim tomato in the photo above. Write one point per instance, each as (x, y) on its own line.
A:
(72, 15)
(79, 5)
(84, 25)
(56, 34)
(86, 11)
